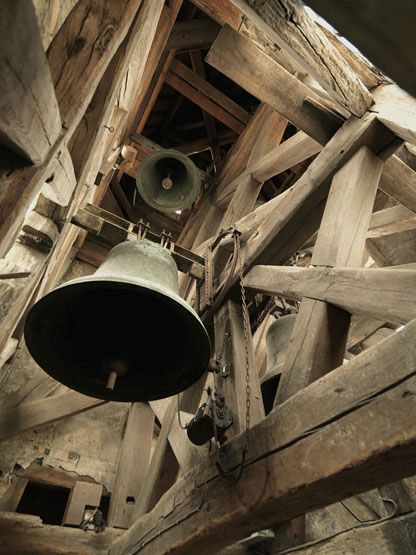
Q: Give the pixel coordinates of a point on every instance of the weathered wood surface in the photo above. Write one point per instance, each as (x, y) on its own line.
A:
(133, 466)
(25, 534)
(289, 25)
(43, 412)
(78, 57)
(81, 495)
(381, 32)
(230, 349)
(396, 109)
(390, 537)
(298, 148)
(13, 494)
(375, 293)
(243, 62)
(30, 122)
(192, 35)
(340, 242)
(365, 408)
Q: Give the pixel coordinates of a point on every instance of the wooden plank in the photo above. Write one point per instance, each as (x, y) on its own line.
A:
(340, 242)
(30, 122)
(203, 86)
(26, 534)
(133, 466)
(397, 535)
(396, 109)
(192, 35)
(399, 181)
(365, 408)
(82, 494)
(391, 220)
(382, 33)
(13, 494)
(289, 25)
(204, 102)
(296, 149)
(103, 24)
(242, 61)
(378, 293)
(156, 462)
(230, 349)
(43, 412)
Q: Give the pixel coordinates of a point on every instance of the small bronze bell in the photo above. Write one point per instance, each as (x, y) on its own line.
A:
(122, 334)
(168, 180)
(277, 341)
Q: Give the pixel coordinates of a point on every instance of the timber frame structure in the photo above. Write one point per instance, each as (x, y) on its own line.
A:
(289, 114)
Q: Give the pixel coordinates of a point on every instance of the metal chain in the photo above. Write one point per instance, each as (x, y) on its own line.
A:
(246, 325)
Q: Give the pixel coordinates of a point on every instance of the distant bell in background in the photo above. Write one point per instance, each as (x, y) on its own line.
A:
(122, 334)
(277, 342)
(168, 180)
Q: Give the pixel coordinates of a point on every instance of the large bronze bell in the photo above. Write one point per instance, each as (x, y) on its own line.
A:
(168, 180)
(122, 334)
(277, 341)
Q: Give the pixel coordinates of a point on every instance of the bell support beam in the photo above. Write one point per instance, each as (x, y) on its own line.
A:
(231, 380)
(376, 293)
(364, 407)
(75, 79)
(133, 466)
(30, 122)
(289, 25)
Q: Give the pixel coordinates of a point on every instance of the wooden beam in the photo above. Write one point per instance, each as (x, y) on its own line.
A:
(340, 242)
(396, 109)
(296, 149)
(30, 122)
(133, 466)
(242, 61)
(230, 348)
(26, 534)
(192, 35)
(391, 220)
(75, 79)
(289, 25)
(43, 412)
(206, 96)
(365, 408)
(376, 293)
(382, 33)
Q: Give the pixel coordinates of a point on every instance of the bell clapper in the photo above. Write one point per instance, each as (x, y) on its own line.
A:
(167, 182)
(117, 368)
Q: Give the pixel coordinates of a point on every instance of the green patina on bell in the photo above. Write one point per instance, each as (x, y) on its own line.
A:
(168, 180)
(122, 334)
(277, 341)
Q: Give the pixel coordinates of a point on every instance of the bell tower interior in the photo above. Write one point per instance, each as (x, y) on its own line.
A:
(207, 277)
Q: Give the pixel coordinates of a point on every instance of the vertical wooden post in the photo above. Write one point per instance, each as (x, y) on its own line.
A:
(132, 467)
(319, 337)
(231, 380)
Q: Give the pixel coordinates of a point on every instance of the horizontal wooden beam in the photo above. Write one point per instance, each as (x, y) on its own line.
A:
(192, 35)
(26, 534)
(287, 23)
(36, 414)
(364, 407)
(378, 293)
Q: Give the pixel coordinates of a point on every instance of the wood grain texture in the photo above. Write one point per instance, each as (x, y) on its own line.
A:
(243, 62)
(30, 122)
(133, 466)
(378, 293)
(364, 408)
(290, 26)
(44, 412)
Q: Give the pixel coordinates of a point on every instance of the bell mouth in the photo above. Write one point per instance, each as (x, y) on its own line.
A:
(83, 329)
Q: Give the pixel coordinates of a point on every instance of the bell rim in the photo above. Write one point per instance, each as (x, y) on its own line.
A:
(166, 295)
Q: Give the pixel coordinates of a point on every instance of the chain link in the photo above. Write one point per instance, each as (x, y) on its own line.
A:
(246, 325)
